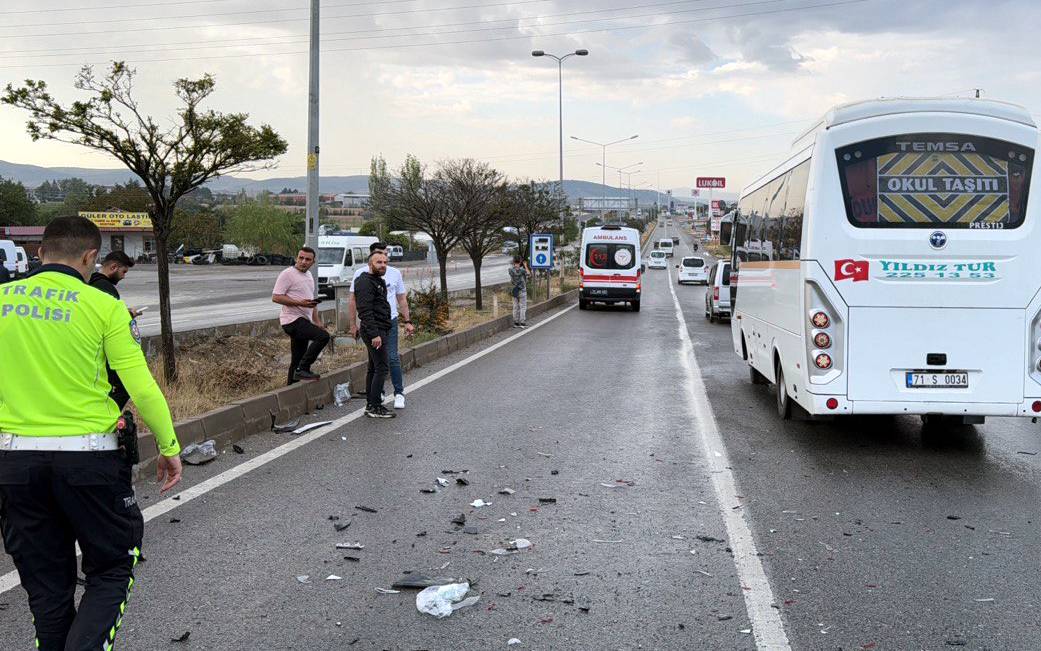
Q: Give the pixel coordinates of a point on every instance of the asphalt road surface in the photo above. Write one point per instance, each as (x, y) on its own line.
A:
(858, 533)
(205, 296)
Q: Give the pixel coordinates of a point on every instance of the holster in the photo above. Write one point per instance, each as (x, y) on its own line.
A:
(126, 430)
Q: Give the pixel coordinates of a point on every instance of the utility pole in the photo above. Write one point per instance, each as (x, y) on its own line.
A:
(311, 228)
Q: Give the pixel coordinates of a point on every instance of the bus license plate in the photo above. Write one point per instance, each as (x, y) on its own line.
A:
(598, 292)
(942, 380)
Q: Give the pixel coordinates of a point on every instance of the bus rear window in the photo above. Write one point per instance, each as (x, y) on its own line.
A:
(930, 180)
(610, 256)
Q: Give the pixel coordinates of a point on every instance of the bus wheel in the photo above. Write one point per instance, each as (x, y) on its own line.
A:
(583, 304)
(636, 306)
(784, 403)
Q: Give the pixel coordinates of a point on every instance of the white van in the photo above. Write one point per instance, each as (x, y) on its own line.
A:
(338, 257)
(665, 244)
(609, 271)
(395, 252)
(9, 257)
(889, 265)
(21, 261)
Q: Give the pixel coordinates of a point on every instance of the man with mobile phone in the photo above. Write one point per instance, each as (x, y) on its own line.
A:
(114, 268)
(294, 291)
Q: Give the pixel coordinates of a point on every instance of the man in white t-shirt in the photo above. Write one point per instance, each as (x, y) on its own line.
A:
(397, 296)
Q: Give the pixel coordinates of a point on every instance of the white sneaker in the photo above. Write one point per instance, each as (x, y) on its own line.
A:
(399, 401)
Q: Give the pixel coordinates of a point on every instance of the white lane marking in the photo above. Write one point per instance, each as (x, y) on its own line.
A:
(11, 579)
(759, 598)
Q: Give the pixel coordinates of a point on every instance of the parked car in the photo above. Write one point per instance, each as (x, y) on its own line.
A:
(395, 252)
(21, 263)
(717, 297)
(675, 240)
(692, 269)
(658, 260)
(9, 257)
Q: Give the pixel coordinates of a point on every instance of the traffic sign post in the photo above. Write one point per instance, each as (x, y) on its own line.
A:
(541, 253)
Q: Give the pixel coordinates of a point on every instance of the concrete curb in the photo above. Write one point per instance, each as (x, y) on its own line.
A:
(242, 418)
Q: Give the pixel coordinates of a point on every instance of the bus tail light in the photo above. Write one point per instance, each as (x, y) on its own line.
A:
(715, 293)
(832, 404)
(824, 337)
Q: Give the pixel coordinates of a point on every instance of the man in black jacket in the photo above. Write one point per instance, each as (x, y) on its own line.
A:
(370, 295)
(114, 268)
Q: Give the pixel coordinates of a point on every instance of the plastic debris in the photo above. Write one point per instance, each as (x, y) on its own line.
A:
(238, 449)
(287, 426)
(356, 546)
(310, 426)
(442, 481)
(386, 591)
(547, 500)
(303, 578)
(459, 519)
(183, 638)
(441, 601)
(367, 509)
(197, 454)
(554, 472)
(597, 540)
(708, 539)
(428, 491)
(513, 642)
(333, 577)
(478, 503)
(341, 394)
(462, 481)
(420, 581)
(507, 491)
(513, 547)
(342, 526)
(544, 454)
(520, 543)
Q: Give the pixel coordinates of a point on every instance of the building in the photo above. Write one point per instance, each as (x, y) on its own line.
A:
(27, 237)
(130, 232)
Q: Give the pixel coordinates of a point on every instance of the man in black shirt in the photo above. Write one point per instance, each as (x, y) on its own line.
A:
(370, 295)
(114, 268)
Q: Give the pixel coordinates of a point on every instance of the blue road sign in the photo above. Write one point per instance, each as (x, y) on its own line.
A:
(541, 251)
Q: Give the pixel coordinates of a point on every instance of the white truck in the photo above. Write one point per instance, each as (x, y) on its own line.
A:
(338, 257)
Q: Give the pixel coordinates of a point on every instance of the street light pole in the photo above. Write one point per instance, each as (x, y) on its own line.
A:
(603, 146)
(560, 103)
(621, 170)
(311, 236)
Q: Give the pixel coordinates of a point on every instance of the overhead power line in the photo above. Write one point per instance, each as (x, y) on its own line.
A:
(239, 42)
(839, 3)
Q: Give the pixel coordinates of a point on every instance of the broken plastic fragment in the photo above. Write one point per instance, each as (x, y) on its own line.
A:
(547, 500)
(303, 578)
(367, 509)
(354, 545)
(520, 543)
(513, 642)
(418, 581)
(183, 638)
(310, 426)
(442, 481)
(507, 491)
(386, 591)
(197, 454)
(333, 577)
(459, 519)
(478, 503)
(288, 426)
(439, 601)
(341, 394)
(462, 481)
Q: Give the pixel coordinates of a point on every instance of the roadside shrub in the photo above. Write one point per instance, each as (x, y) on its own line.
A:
(428, 309)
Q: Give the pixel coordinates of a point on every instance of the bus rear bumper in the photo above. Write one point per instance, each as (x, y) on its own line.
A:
(820, 406)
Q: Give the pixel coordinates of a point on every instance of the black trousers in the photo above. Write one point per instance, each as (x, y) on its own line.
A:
(306, 342)
(49, 501)
(376, 374)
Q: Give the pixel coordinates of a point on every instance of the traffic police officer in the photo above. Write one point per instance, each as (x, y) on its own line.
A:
(63, 476)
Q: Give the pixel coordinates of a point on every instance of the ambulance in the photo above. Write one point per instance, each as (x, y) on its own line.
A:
(610, 267)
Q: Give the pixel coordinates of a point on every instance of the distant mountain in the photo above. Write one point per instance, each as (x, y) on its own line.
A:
(32, 176)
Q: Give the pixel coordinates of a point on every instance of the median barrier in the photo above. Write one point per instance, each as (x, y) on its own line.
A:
(248, 416)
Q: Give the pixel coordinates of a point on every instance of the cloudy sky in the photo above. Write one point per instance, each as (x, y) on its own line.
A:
(712, 87)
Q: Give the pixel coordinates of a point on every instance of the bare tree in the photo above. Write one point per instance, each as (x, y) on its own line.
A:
(419, 203)
(171, 162)
(534, 208)
(475, 194)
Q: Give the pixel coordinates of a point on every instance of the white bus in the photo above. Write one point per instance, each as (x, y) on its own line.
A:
(891, 265)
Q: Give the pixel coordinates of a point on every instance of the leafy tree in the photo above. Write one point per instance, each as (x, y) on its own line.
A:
(476, 194)
(171, 162)
(16, 208)
(130, 197)
(417, 202)
(264, 227)
(534, 208)
(196, 229)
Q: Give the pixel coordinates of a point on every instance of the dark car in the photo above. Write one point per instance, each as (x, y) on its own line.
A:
(675, 240)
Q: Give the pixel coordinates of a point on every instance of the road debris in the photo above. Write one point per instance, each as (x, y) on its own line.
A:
(513, 642)
(547, 500)
(704, 573)
(554, 472)
(333, 577)
(198, 454)
(303, 429)
(367, 509)
(303, 578)
(954, 517)
(238, 449)
(287, 426)
(708, 539)
(459, 520)
(442, 481)
(428, 491)
(544, 454)
(341, 526)
(183, 638)
(356, 546)
(478, 503)
(507, 491)
(420, 581)
(341, 394)
(512, 547)
(441, 601)
(597, 540)
(462, 481)
(386, 591)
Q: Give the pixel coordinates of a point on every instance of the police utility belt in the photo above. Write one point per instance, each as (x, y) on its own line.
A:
(77, 443)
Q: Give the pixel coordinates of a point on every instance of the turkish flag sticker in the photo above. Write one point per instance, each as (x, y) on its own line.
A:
(852, 269)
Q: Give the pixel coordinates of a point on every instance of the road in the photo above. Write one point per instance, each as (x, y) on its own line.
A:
(204, 296)
(860, 533)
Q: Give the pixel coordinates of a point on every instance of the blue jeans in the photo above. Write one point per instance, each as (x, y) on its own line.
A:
(395, 360)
